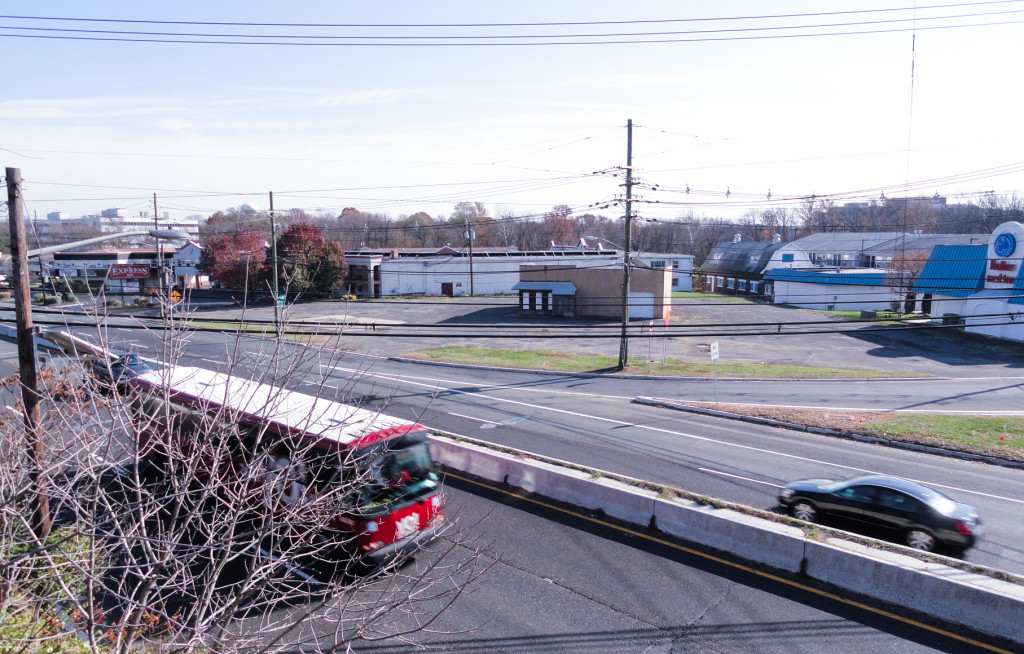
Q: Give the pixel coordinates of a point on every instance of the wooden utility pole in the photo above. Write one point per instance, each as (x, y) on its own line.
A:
(159, 260)
(273, 263)
(26, 355)
(470, 235)
(624, 338)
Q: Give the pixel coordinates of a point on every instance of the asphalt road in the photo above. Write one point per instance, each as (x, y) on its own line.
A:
(592, 421)
(560, 581)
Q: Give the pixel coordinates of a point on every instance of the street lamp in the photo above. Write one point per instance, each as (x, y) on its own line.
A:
(26, 347)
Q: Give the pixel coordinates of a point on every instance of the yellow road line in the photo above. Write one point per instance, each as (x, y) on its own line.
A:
(740, 566)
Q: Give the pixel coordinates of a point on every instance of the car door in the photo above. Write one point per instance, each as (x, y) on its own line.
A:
(849, 503)
(894, 510)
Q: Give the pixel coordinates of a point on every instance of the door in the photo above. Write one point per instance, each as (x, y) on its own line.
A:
(641, 305)
(850, 503)
(447, 289)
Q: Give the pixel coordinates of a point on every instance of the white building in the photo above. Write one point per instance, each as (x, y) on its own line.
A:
(490, 272)
(979, 287)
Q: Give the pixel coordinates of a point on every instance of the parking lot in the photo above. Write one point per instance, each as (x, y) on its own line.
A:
(946, 353)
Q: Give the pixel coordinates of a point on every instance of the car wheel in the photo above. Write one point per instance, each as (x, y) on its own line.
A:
(804, 511)
(920, 539)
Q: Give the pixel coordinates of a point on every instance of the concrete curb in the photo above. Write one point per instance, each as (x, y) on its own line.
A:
(983, 604)
(862, 438)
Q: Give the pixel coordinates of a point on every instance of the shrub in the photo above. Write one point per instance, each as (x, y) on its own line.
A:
(115, 303)
(68, 296)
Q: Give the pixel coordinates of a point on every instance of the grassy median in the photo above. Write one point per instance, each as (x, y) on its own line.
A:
(1000, 436)
(548, 360)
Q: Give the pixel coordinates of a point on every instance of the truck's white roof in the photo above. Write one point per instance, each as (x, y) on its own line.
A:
(287, 410)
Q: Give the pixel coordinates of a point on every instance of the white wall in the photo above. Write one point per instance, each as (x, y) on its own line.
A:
(844, 297)
(800, 258)
(491, 276)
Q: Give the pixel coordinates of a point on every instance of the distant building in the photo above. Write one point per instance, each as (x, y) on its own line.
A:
(93, 268)
(570, 291)
(489, 271)
(737, 267)
(980, 288)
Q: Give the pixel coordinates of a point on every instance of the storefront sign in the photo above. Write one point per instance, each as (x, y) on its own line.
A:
(128, 271)
(1004, 245)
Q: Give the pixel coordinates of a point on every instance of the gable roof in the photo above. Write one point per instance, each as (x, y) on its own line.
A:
(1017, 292)
(741, 256)
(925, 243)
(843, 242)
(954, 270)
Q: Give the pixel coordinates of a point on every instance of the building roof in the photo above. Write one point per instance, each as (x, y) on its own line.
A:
(1017, 292)
(741, 256)
(842, 242)
(556, 288)
(925, 243)
(831, 277)
(954, 270)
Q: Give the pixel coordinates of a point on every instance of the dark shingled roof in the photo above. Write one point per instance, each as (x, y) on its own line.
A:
(741, 256)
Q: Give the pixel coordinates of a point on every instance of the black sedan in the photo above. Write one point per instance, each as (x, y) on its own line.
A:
(895, 508)
(117, 372)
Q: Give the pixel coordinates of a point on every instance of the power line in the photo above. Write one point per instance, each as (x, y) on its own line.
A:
(848, 28)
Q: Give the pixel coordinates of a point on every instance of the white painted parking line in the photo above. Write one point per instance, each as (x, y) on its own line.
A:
(437, 384)
(726, 474)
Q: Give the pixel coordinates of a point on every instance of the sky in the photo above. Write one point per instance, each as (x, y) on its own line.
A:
(726, 100)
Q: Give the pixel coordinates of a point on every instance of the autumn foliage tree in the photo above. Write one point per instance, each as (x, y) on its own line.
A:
(306, 262)
(236, 260)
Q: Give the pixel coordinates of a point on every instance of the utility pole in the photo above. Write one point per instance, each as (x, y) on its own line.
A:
(470, 235)
(159, 260)
(624, 338)
(26, 354)
(273, 263)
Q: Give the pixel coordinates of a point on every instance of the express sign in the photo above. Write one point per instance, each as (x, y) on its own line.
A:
(128, 271)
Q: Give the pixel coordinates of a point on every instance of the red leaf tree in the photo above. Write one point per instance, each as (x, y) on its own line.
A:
(235, 260)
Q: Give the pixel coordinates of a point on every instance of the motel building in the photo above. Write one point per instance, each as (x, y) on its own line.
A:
(980, 288)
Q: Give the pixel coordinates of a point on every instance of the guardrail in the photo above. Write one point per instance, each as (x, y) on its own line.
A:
(982, 603)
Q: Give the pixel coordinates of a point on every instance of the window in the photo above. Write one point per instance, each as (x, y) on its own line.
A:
(754, 286)
(675, 263)
(743, 284)
(857, 493)
(731, 283)
(891, 499)
(787, 258)
(675, 282)
(719, 282)
(657, 264)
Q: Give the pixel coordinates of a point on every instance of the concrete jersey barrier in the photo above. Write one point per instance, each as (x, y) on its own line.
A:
(984, 604)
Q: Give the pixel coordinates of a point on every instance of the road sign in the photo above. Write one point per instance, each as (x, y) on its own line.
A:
(175, 296)
(714, 350)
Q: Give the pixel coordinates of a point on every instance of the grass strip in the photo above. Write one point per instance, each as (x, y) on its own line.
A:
(999, 436)
(560, 361)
